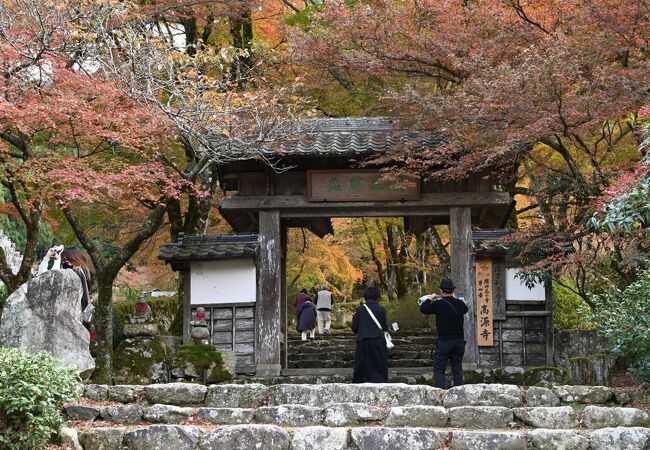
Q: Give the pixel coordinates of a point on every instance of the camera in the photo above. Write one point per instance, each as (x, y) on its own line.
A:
(58, 249)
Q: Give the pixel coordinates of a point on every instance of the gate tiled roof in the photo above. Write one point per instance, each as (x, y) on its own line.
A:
(348, 136)
(209, 247)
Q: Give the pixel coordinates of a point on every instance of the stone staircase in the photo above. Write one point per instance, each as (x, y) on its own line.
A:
(412, 349)
(355, 417)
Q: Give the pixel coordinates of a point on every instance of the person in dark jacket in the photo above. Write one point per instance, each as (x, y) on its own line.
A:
(300, 299)
(449, 312)
(371, 355)
(307, 319)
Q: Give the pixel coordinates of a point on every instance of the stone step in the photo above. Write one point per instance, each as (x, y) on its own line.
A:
(325, 349)
(349, 355)
(380, 394)
(404, 340)
(357, 414)
(331, 363)
(274, 437)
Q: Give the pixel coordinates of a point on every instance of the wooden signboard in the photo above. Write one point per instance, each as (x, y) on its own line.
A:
(484, 322)
(359, 186)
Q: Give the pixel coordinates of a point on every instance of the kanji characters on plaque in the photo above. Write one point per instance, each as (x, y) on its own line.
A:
(484, 323)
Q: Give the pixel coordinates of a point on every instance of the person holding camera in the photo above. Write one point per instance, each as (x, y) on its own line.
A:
(70, 258)
(449, 312)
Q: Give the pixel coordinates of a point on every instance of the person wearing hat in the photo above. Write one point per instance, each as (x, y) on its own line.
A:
(449, 312)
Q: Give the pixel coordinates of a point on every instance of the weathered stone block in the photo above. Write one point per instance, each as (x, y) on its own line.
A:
(509, 375)
(102, 439)
(289, 415)
(125, 393)
(322, 438)
(487, 440)
(127, 414)
(69, 437)
(368, 393)
(80, 412)
(236, 395)
(167, 414)
(620, 438)
(140, 329)
(141, 360)
(583, 394)
(176, 393)
(602, 417)
(226, 416)
(484, 395)
(548, 417)
(480, 417)
(624, 396)
(539, 396)
(398, 438)
(557, 440)
(546, 375)
(246, 437)
(98, 392)
(153, 437)
(417, 416)
(344, 414)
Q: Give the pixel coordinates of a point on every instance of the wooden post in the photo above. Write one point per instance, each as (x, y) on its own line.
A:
(187, 305)
(283, 298)
(269, 291)
(460, 228)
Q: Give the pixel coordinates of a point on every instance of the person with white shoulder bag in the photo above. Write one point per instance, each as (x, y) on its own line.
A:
(369, 326)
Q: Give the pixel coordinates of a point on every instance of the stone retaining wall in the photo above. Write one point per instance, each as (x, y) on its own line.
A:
(365, 416)
(272, 437)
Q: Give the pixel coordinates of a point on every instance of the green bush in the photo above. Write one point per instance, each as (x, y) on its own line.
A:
(32, 393)
(570, 311)
(624, 318)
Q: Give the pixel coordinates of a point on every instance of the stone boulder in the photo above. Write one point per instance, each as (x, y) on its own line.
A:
(45, 314)
(323, 438)
(548, 417)
(603, 417)
(141, 360)
(399, 438)
(557, 440)
(583, 394)
(176, 393)
(246, 437)
(620, 438)
(102, 439)
(178, 437)
(484, 395)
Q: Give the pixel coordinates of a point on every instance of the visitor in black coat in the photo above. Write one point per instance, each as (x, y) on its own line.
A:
(307, 319)
(371, 356)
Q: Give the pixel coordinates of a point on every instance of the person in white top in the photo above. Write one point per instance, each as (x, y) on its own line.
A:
(324, 310)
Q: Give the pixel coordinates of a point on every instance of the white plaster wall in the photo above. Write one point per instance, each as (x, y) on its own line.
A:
(517, 290)
(229, 281)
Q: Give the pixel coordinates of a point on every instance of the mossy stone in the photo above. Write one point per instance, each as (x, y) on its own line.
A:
(546, 375)
(203, 357)
(141, 360)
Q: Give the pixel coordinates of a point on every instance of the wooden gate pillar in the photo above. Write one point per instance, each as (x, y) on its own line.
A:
(462, 273)
(269, 290)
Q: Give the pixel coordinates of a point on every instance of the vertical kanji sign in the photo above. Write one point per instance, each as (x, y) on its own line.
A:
(484, 321)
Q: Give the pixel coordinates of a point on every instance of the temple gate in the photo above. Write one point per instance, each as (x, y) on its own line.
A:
(319, 179)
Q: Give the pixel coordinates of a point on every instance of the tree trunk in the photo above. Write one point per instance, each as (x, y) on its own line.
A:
(104, 326)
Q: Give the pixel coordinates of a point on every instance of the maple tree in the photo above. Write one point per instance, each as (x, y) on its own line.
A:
(541, 95)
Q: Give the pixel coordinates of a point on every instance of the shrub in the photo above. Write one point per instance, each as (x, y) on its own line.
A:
(32, 392)
(624, 318)
(570, 311)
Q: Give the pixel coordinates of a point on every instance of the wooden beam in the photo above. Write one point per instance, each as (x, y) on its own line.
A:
(296, 203)
(268, 326)
(462, 273)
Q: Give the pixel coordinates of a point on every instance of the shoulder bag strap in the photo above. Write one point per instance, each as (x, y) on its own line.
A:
(451, 305)
(373, 317)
